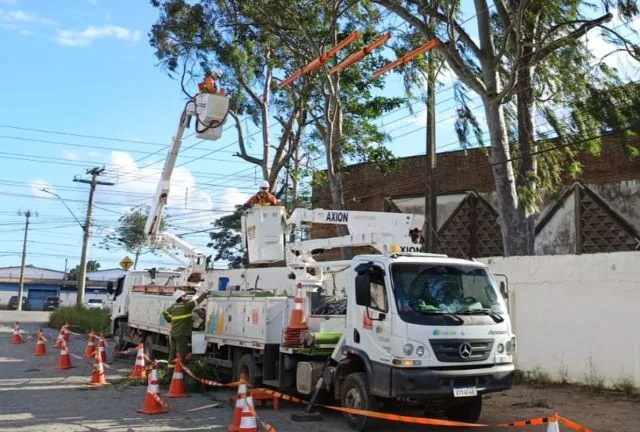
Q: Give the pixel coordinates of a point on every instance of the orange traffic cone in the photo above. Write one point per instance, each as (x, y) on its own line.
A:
(248, 421)
(152, 402)
(138, 368)
(65, 359)
(553, 424)
(102, 345)
(97, 376)
(60, 337)
(297, 322)
(177, 388)
(17, 337)
(41, 348)
(237, 411)
(90, 350)
(66, 334)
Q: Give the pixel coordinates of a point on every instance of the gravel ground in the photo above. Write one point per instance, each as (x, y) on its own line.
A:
(35, 396)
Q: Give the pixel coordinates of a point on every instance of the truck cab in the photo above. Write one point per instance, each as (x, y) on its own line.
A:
(423, 326)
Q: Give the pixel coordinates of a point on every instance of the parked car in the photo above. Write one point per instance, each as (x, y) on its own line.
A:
(13, 303)
(95, 304)
(51, 303)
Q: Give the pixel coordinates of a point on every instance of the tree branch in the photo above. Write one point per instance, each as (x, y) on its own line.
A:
(547, 50)
(243, 151)
(448, 49)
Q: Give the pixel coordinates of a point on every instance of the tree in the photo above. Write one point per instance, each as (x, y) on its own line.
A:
(130, 235)
(515, 43)
(227, 240)
(342, 105)
(91, 267)
(215, 35)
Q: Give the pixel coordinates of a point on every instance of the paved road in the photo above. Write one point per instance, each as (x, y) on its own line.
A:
(35, 396)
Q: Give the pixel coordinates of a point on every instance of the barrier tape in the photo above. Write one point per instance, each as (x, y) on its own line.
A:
(157, 398)
(264, 424)
(210, 382)
(571, 424)
(531, 422)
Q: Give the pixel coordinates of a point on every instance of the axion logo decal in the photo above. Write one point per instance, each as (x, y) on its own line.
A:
(337, 217)
(411, 249)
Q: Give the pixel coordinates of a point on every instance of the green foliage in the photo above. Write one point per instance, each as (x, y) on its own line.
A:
(81, 319)
(226, 239)
(130, 235)
(75, 272)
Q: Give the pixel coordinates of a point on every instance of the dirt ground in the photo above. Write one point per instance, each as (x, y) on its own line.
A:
(34, 396)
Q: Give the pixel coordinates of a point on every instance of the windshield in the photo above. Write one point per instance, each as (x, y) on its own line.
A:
(95, 301)
(432, 289)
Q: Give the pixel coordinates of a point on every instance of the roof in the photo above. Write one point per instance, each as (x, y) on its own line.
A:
(31, 267)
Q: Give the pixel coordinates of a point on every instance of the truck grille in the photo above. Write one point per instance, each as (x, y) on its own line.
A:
(461, 350)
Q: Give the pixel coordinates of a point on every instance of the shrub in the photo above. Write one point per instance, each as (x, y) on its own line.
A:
(81, 319)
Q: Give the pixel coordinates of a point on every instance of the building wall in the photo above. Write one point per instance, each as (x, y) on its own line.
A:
(35, 293)
(575, 315)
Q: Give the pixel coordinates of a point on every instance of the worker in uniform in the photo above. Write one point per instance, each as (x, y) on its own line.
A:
(178, 315)
(263, 197)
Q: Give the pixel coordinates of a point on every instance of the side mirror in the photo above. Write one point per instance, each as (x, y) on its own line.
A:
(363, 290)
(110, 287)
(503, 290)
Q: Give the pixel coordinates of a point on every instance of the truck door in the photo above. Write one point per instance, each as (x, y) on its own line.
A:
(372, 325)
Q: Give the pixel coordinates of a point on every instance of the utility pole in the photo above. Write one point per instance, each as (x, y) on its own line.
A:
(27, 215)
(431, 188)
(82, 276)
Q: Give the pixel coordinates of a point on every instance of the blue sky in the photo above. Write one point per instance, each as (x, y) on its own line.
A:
(81, 88)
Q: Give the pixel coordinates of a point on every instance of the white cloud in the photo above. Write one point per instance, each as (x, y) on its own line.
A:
(20, 16)
(69, 155)
(85, 37)
(36, 188)
(192, 207)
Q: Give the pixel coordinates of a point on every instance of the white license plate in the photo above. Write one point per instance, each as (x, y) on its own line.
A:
(465, 392)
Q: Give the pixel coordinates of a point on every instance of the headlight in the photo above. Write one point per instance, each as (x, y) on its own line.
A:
(407, 349)
(500, 348)
(420, 351)
(508, 347)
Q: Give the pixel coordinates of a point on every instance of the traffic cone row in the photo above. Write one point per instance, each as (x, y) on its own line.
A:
(102, 345)
(17, 337)
(41, 348)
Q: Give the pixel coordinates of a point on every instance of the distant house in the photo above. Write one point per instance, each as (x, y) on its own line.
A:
(40, 283)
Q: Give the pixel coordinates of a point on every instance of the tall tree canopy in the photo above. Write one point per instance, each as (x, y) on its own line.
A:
(522, 52)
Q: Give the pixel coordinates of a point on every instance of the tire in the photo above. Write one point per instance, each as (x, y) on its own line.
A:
(468, 411)
(356, 394)
(148, 346)
(118, 337)
(247, 364)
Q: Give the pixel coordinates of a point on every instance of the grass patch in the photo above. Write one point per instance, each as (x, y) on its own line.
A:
(626, 386)
(538, 376)
(81, 319)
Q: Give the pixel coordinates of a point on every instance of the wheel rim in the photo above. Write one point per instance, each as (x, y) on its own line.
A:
(353, 399)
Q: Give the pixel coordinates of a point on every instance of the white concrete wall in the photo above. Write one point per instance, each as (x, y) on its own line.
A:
(576, 315)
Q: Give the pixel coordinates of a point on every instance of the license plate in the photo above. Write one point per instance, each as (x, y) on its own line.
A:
(465, 392)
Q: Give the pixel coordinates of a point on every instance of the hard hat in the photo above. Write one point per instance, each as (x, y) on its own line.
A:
(177, 295)
(264, 185)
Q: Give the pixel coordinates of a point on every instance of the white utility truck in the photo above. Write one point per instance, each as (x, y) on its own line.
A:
(393, 326)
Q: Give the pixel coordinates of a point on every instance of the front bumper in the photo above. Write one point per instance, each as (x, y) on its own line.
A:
(430, 382)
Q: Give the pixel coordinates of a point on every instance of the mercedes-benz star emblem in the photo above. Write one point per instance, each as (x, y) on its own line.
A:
(465, 350)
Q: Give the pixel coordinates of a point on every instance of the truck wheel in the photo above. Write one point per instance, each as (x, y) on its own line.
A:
(148, 346)
(356, 394)
(468, 411)
(118, 337)
(247, 364)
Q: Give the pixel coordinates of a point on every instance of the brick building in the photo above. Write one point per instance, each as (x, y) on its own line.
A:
(597, 212)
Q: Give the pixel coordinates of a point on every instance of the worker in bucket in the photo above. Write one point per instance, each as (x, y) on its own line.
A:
(179, 316)
(262, 198)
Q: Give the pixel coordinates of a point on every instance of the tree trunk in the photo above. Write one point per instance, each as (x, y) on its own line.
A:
(526, 142)
(135, 261)
(513, 238)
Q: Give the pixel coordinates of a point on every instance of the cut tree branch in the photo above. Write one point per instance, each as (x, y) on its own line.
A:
(243, 151)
